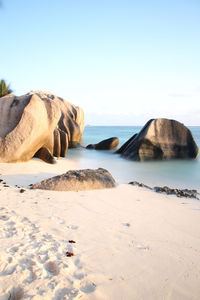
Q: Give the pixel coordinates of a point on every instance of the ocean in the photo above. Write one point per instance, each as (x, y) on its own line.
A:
(174, 173)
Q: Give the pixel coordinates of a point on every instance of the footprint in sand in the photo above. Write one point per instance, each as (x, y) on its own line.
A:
(10, 229)
(41, 256)
(88, 287)
(52, 284)
(62, 292)
(29, 276)
(6, 269)
(16, 293)
(7, 266)
(4, 218)
(27, 269)
(78, 264)
(142, 247)
(73, 227)
(13, 249)
(52, 268)
(126, 224)
(26, 263)
(47, 236)
(79, 275)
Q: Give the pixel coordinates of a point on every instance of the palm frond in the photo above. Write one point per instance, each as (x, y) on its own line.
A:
(4, 89)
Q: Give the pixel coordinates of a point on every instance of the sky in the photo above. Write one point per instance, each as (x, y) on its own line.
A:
(122, 61)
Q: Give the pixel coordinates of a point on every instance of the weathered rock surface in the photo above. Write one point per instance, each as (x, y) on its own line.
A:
(179, 193)
(108, 144)
(78, 180)
(140, 185)
(160, 139)
(169, 191)
(39, 124)
(71, 121)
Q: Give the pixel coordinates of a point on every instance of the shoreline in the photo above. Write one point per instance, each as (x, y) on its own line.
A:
(127, 242)
(30, 176)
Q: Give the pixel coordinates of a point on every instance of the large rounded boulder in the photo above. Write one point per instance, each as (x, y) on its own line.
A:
(78, 180)
(160, 139)
(38, 124)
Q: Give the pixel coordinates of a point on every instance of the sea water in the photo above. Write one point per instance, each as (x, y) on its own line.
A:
(174, 173)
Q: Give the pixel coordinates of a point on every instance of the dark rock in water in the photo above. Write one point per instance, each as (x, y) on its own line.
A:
(107, 144)
(160, 139)
(78, 180)
(123, 147)
(169, 191)
(179, 193)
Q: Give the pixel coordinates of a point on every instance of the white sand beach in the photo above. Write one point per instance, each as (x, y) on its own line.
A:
(128, 242)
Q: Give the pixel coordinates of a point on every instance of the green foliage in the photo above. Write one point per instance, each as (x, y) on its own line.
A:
(4, 89)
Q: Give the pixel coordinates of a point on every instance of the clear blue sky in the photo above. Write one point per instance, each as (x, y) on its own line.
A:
(122, 61)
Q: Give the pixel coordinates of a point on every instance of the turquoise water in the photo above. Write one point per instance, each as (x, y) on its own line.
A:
(175, 173)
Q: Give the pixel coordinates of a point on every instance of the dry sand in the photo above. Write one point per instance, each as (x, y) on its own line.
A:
(130, 243)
